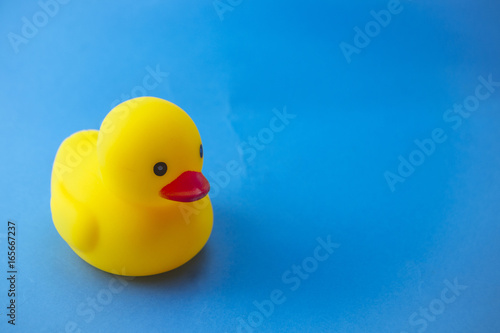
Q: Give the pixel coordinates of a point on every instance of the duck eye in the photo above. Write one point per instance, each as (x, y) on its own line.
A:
(201, 151)
(160, 168)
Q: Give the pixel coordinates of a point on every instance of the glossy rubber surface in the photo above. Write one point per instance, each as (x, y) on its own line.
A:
(112, 207)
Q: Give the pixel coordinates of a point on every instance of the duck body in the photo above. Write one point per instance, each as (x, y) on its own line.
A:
(111, 200)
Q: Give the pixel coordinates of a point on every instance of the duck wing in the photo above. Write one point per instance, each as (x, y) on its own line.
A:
(74, 179)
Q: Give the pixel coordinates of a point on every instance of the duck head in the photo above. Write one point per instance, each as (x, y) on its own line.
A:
(150, 152)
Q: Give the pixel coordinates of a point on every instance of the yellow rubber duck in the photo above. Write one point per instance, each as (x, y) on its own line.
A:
(130, 199)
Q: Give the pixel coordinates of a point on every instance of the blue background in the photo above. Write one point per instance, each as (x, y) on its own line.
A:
(321, 176)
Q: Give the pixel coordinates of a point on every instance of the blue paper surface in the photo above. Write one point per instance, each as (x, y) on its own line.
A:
(352, 148)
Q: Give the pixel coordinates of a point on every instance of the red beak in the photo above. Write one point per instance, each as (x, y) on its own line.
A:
(189, 186)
